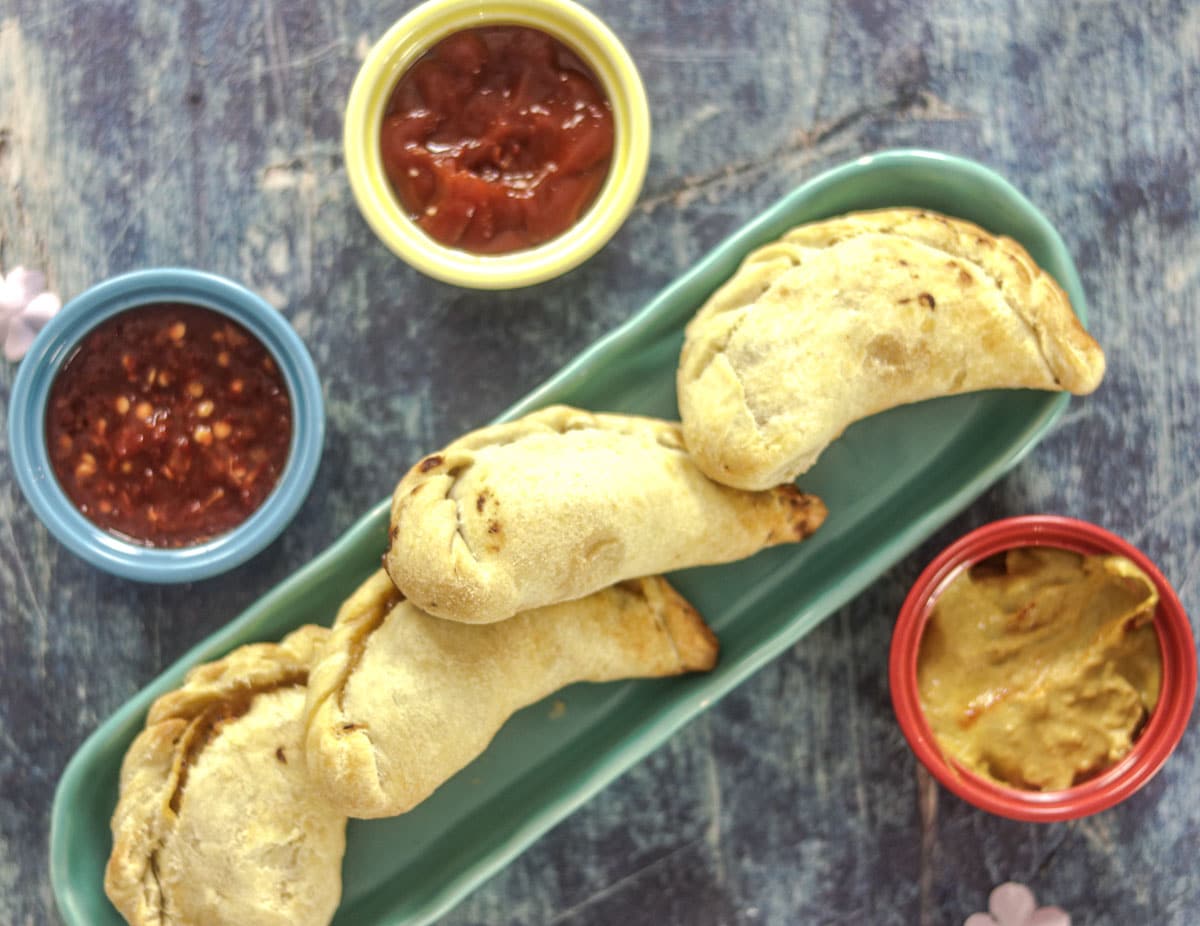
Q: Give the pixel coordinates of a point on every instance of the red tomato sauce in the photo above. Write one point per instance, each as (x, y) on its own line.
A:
(170, 424)
(497, 139)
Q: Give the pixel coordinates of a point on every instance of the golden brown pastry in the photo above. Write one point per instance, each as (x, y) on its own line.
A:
(848, 317)
(562, 503)
(399, 701)
(216, 823)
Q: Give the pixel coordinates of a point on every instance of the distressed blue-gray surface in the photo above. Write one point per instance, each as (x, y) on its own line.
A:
(137, 133)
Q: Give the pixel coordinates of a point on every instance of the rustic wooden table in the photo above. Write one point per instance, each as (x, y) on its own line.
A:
(135, 134)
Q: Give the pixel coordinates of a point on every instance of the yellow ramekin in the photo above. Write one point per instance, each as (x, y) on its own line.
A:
(399, 49)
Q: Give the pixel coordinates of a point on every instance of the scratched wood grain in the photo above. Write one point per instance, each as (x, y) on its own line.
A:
(137, 133)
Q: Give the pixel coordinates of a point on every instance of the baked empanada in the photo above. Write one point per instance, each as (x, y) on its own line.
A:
(562, 503)
(848, 317)
(399, 701)
(216, 824)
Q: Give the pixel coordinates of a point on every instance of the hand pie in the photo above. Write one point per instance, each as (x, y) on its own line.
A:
(399, 701)
(216, 823)
(562, 503)
(848, 317)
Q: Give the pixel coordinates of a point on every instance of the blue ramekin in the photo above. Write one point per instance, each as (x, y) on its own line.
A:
(55, 344)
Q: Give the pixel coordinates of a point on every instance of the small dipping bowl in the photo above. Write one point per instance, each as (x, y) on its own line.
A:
(416, 33)
(1158, 738)
(56, 344)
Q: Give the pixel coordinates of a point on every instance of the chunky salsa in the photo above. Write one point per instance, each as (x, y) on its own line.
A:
(497, 139)
(170, 424)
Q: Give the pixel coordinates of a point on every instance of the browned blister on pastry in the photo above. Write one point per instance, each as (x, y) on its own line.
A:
(216, 824)
(399, 700)
(562, 503)
(845, 318)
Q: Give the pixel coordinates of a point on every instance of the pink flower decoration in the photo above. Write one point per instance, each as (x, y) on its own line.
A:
(25, 307)
(1013, 904)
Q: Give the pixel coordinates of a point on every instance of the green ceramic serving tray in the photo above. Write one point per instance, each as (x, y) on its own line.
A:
(889, 482)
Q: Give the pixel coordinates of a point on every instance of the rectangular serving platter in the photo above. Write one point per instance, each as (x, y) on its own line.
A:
(888, 482)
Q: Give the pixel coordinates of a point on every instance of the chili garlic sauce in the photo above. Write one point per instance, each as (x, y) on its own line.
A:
(1039, 667)
(170, 424)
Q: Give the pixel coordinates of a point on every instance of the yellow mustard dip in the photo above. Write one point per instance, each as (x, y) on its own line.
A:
(1039, 666)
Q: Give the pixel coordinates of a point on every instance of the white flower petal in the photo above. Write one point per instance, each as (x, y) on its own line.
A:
(27, 283)
(1050, 916)
(980, 919)
(41, 309)
(25, 307)
(12, 298)
(20, 287)
(20, 337)
(1012, 904)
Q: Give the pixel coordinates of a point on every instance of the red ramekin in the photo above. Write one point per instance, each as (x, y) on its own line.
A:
(1156, 742)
